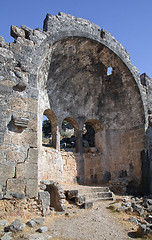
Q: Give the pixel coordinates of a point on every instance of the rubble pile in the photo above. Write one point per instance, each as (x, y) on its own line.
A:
(140, 209)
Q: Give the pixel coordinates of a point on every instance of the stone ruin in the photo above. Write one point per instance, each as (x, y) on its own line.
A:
(72, 70)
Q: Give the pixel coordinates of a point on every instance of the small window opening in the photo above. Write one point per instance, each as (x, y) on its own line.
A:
(46, 132)
(68, 139)
(109, 71)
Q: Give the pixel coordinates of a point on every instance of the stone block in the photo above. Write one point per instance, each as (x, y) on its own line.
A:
(20, 122)
(7, 236)
(27, 30)
(27, 170)
(25, 139)
(16, 185)
(42, 229)
(33, 124)
(31, 223)
(4, 223)
(88, 205)
(33, 155)
(17, 32)
(13, 156)
(12, 195)
(7, 170)
(16, 226)
(44, 197)
(32, 188)
(39, 220)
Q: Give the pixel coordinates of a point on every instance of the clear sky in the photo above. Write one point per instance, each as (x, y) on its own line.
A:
(129, 21)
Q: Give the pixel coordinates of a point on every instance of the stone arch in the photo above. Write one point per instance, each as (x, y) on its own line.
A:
(88, 93)
(54, 124)
(75, 125)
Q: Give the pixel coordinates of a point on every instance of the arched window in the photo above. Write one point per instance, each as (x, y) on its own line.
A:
(46, 132)
(49, 129)
(69, 134)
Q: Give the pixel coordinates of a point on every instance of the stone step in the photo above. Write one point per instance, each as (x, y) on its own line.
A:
(100, 199)
(98, 195)
(93, 190)
(92, 193)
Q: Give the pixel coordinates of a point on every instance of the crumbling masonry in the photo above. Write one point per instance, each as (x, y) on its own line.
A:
(62, 72)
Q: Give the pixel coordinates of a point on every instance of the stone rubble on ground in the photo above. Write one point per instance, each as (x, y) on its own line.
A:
(15, 226)
(141, 206)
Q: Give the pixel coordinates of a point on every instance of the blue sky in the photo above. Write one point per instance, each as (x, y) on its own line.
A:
(129, 21)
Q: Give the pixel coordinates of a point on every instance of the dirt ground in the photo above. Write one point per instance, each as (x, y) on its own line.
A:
(96, 223)
(92, 224)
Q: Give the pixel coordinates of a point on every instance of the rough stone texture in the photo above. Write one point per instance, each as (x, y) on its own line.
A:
(7, 236)
(4, 223)
(17, 32)
(42, 229)
(31, 223)
(57, 196)
(62, 71)
(16, 226)
(44, 198)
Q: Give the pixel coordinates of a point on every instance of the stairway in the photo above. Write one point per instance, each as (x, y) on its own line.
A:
(95, 194)
(91, 194)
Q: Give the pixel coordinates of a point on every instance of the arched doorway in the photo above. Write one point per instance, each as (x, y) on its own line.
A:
(69, 134)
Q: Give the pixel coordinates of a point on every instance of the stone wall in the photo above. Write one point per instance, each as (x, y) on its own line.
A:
(59, 166)
(119, 159)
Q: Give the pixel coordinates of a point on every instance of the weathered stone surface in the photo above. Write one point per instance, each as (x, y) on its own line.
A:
(39, 221)
(4, 223)
(42, 229)
(31, 188)
(1, 195)
(133, 220)
(20, 122)
(44, 197)
(12, 195)
(5, 53)
(7, 170)
(16, 226)
(16, 185)
(17, 32)
(27, 30)
(2, 41)
(21, 86)
(25, 139)
(31, 223)
(33, 155)
(26, 170)
(7, 236)
(88, 205)
(13, 156)
(57, 199)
